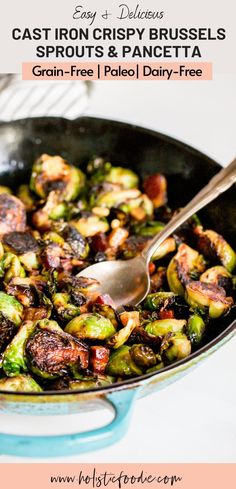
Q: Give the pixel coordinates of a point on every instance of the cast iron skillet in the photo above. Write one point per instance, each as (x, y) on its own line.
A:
(146, 151)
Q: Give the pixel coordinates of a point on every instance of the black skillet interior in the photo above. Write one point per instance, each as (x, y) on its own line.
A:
(143, 150)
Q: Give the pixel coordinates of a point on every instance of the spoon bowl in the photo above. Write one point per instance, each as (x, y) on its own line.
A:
(126, 281)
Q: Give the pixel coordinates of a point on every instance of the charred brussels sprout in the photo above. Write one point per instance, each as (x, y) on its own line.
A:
(209, 298)
(78, 244)
(182, 267)
(168, 246)
(122, 364)
(154, 302)
(195, 329)
(10, 308)
(119, 338)
(179, 348)
(90, 383)
(89, 226)
(163, 326)
(148, 229)
(12, 214)
(143, 356)
(14, 361)
(217, 275)
(20, 242)
(116, 197)
(64, 308)
(91, 326)
(214, 246)
(7, 330)
(26, 197)
(20, 383)
(122, 176)
(53, 173)
(51, 352)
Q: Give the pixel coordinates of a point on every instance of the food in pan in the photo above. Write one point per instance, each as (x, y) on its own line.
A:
(56, 331)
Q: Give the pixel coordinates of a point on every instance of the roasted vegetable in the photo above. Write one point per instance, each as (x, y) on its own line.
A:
(154, 302)
(179, 347)
(91, 326)
(217, 275)
(21, 383)
(12, 214)
(186, 263)
(14, 361)
(209, 298)
(10, 308)
(122, 176)
(20, 242)
(50, 352)
(53, 173)
(121, 363)
(91, 225)
(163, 326)
(215, 248)
(195, 329)
(143, 356)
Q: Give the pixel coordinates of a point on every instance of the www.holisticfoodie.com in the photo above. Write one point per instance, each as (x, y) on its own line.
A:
(119, 71)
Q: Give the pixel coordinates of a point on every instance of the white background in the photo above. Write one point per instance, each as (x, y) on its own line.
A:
(194, 419)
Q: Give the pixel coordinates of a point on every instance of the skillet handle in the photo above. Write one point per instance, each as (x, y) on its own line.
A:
(63, 445)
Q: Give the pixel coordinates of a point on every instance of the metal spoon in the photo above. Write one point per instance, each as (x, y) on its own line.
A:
(128, 281)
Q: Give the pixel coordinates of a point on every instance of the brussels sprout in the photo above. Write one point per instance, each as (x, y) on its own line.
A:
(12, 214)
(20, 383)
(185, 263)
(106, 311)
(30, 261)
(163, 326)
(78, 244)
(154, 302)
(121, 363)
(14, 356)
(7, 330)
(90, 383)
(91, 326)
(116, 197)
(155, 186)
(217, 276)
(26, 197)
(157, 367)
(148, 229)
(119, 338)
(11, 308)
(53, 210)
(143, 356)
(168, 246)
(209, 297)
(89, 226)
(139, 207)
(179, 348)
(20, 242)
(195, 329)
(64, 308)
(53, 237)
(122, 176)
(50, 352)
(53, 173)
(214, 246)
(12, 267)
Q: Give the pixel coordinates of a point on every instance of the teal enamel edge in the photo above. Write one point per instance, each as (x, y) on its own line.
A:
(64, 445)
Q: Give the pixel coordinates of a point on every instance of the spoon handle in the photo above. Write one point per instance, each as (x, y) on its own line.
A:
(217, 185)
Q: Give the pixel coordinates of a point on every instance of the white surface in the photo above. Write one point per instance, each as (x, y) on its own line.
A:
(192, 420)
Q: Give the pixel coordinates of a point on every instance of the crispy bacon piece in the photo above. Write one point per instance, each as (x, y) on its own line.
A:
(99, 357)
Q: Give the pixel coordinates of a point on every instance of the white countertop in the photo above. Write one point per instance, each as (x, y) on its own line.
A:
(192, 420)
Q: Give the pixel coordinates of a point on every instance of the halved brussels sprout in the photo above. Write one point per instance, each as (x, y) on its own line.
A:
(163, 326)
(78, 244)
(154, 302)
(179, 348)
(122, 176)
(30, 261)
(90, 383)
(53, 173)
(183, 265)
(157, 367)
(148, 229)
(20, 383)
(213, 245)
(7, 330)
(91, 326)
(143, 356)
(11, 308)
(14, 361)
(122, 364)
(91, 225)
(217, 275)
(119, 338)
(116, 197)
(208, 297)
(12, 267)
(12, 214)
(106, 311)
(168, 246)
(139, 207)
(50, 352)
(53, 210)
(64, 308)
(195, 329)
(20, 242)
